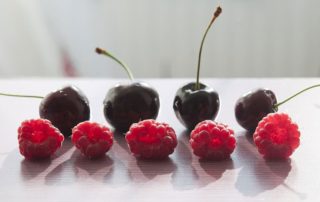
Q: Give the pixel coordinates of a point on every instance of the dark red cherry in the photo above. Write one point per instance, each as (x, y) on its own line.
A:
(253, 106)
(131, 103)
(65, 108)
(196, 102)
(193, 106)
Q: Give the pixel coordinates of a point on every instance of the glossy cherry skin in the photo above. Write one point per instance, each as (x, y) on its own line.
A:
(253, 106)
(193, 106)
(130, 103)
(65, 108)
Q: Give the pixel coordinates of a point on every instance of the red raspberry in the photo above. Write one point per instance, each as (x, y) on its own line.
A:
(276, 136)
(38, 139)
(151, 140)
(92, 139)
(211, 140)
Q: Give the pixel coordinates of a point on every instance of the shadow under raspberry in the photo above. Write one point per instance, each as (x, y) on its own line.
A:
(152, 168)
(258, 175)
(216, 168)
(33, 168)
(193, 173)
(78, 167)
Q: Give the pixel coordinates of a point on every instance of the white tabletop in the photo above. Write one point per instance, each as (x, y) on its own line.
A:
(121, 177)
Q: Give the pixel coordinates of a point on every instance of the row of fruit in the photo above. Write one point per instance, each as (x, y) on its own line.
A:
(276, 137)
(133, 108)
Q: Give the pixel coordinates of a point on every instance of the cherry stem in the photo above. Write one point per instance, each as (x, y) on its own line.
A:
(215, 15)
(298, 93)
(108, 54)
(23, 96)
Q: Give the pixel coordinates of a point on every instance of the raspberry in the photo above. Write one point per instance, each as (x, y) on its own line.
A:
(276, 136)
(38, 139)
(149, 139)
(211, 140)
(92, 139)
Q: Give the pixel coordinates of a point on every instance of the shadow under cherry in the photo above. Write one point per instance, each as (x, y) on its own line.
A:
(185, 176)
(119, 138)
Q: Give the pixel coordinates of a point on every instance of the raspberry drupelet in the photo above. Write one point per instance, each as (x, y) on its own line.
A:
(92, 139)
(276, 136)
(38, 139)
(149, 139)
(213, 141)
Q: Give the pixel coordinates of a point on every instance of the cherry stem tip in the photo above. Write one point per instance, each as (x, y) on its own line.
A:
(108, 54)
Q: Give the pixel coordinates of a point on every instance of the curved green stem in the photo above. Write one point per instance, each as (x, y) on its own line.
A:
(23, 96)
(215, 15)
(108, 54)
(298, 93)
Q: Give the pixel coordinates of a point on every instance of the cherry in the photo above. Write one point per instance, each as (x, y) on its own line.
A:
(65, 108)
(196, 102)
(130, 103)
(193, 106)
(253, 106)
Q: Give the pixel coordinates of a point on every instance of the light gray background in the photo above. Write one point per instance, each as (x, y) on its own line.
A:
(160, 38)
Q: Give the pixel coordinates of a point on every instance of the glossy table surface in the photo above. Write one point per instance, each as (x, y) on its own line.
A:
(121, 177)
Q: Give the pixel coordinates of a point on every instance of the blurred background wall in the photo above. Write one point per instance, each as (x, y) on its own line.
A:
(159, 38)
